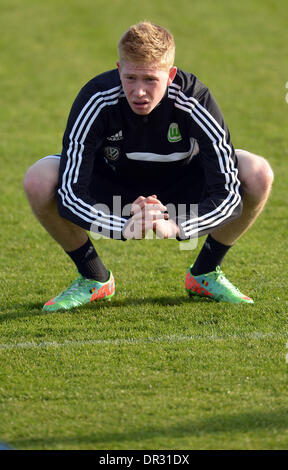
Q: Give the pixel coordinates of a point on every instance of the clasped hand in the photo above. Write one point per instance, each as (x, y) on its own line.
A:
(148, 213)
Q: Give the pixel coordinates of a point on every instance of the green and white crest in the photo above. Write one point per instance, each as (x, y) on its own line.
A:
(174, 134)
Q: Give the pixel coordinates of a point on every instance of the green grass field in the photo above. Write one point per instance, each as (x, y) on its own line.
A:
(150, 369)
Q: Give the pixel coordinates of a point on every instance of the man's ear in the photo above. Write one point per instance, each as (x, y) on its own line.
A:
(118, 66)
(172, 74)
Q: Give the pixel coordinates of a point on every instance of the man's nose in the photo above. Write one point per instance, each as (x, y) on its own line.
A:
(140, 90)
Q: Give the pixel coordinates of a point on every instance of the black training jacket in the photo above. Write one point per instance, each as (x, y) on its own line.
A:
(103, 132)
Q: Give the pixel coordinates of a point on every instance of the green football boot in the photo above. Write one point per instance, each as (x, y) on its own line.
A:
(82, 291)
(214, 286)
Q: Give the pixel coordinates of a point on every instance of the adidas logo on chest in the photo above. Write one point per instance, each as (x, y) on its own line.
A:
(115, 137)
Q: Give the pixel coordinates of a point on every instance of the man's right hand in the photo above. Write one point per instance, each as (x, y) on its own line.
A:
(145, 212)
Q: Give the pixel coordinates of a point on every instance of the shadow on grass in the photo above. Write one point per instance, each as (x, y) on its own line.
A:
(269, 421)
(19, 310)
(160, 300)
(32, 309)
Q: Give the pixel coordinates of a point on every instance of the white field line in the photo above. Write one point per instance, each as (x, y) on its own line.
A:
(132, 341)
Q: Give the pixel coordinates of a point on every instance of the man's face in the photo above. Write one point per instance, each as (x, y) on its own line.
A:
(144, 85)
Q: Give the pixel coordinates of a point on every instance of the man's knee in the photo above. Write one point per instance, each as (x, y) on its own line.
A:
(255, 173)
(265, 174)
(41, 180)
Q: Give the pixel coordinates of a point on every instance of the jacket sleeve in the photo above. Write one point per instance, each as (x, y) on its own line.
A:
(223, 202)
(82, 138)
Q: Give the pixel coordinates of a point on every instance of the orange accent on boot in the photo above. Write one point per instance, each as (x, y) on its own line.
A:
(246, 297)
(50, 302)
(192, 284)
(104, 291)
